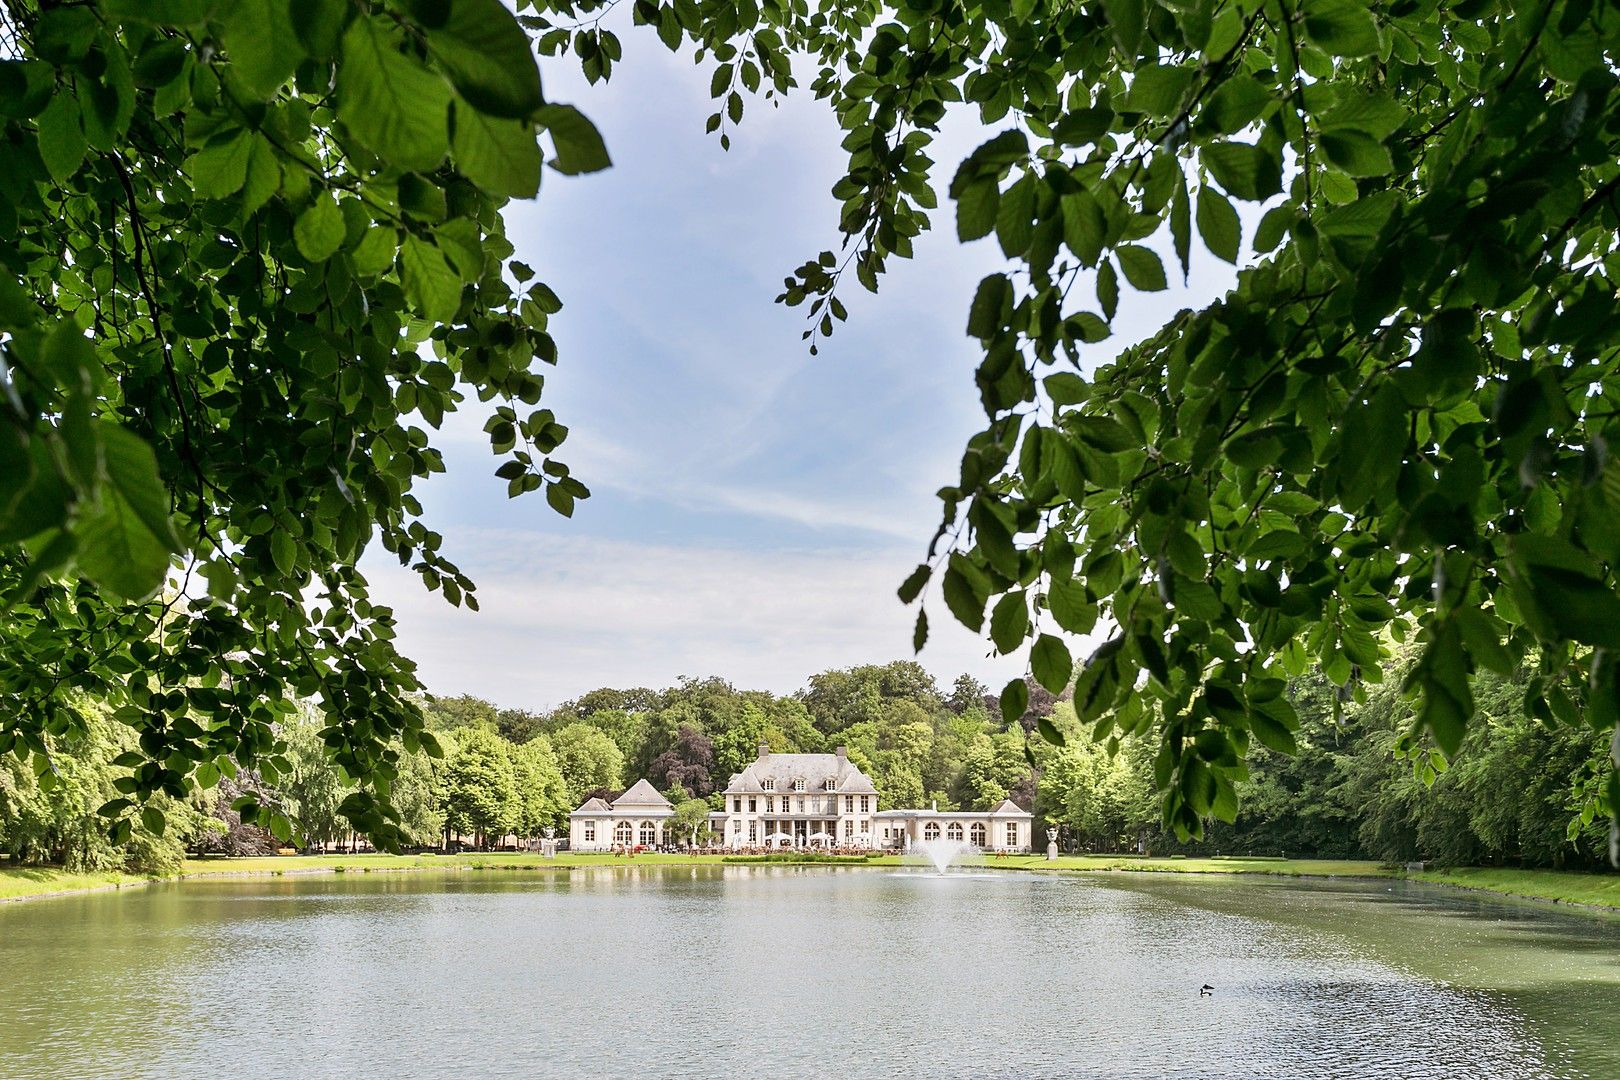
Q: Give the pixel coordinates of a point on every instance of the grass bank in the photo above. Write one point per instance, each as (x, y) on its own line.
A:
(1590, 890)
(32, 882)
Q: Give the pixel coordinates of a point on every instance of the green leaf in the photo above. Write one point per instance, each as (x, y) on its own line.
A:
(1108, 290)
(1009, 621)
(319, 229)
(1218, 225)
(219, 169)
(976, 209)
(965, 592)
(500, 156)
(1142, 267)
(126, 539)
(1272, 732)
(1577, 606)
(1049, 731)
(153, 819)
(1014, 700)
(1084, 226)
(488, 57)
(578, 144)
(376, 250)
(1238, 102)
(1356, 153)
(62, 144)
(261, 44)
(319, 24)
(263, 174)
(912, 587)
(1245, 171)
(1341, 27)
(389, 101)
(1157, 90)
(560, 500)
(1128, 19)
(283, 551)
(1070, 607)
(166, 12)
(431, 286)
(1051, 663)
(1066, 388)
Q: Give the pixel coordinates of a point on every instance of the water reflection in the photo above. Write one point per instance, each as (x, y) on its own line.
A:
(796, 971)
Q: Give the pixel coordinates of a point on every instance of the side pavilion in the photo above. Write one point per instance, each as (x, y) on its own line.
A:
(636, 817)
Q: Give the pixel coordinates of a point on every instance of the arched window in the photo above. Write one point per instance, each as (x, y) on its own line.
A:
(953, 831)
(976, 834)
(649, 834)
(931, 831)
(624, 833)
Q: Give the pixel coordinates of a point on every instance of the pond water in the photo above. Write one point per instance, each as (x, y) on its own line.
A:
(798, 971)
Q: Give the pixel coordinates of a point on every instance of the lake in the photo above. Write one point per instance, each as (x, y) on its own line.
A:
(802, 971)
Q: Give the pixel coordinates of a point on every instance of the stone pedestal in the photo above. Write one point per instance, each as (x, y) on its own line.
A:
(1051, 844)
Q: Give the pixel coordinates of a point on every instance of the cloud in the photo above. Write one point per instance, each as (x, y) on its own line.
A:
(562, 615)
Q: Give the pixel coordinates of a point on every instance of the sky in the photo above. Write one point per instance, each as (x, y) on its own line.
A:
(753, 507)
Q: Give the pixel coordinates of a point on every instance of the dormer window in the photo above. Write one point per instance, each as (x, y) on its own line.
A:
(798, 785)
(832, 783)
(770, 785)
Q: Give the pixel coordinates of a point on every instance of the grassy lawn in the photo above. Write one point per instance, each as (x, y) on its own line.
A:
(1602, 890)
(19, 882)
(1599, 890)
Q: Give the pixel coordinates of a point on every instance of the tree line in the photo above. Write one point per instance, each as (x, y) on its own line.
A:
(1522, 789)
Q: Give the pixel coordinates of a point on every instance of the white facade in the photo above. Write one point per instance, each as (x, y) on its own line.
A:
(1006, 828)
(634, 819)
(797, 800)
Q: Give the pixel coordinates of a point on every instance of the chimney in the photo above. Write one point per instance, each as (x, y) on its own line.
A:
(842, 752)
(764, 750)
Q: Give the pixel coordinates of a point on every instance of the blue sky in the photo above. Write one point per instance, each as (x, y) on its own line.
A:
(753, 508)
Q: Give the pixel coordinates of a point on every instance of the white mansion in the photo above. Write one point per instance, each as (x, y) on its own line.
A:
(797, 800)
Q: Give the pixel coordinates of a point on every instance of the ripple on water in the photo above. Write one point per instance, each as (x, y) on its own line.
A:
(696, 972)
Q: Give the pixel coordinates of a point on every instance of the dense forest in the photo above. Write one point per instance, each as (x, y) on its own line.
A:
(1521, 790)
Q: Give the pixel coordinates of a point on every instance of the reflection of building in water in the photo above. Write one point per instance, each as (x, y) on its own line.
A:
(796, 800)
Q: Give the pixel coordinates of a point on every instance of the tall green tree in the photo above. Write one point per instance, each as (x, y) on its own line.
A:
(588, 760)
(542, 793)
(252, 254)
(482, 798)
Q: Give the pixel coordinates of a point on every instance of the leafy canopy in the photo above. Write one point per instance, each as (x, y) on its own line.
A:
(253, 252)
(1395, 426)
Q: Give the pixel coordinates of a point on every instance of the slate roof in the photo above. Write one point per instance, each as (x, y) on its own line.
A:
(641, 793)
(594, 806)
(1008, 808)
(813, 769)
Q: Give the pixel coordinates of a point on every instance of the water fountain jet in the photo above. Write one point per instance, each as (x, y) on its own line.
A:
(940, 851)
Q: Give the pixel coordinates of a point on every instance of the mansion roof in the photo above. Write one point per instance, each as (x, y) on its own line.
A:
(641, 793)
(814, 769)
(642, 799)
